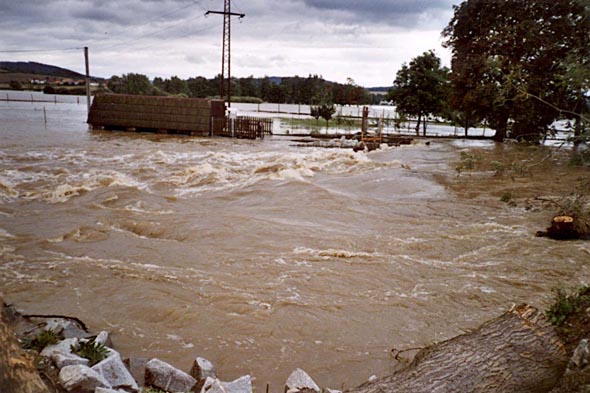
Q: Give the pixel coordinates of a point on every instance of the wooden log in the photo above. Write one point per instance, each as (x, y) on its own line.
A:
(17, 371)
(565, 228)
(516, 352)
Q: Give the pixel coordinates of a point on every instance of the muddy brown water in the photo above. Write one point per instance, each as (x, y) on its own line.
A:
(264, 257)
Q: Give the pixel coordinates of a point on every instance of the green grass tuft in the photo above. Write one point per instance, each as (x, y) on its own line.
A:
(565, 305)
(91, 350)
(41, 340)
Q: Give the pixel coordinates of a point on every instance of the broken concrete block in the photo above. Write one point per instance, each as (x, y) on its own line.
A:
(69, 327)
(115, 373)
(581, 355)
(300, 380)
(136, 367)
(107, 390)
(240, 385)
(163, 376)
(104, 339)
(212, 385)
(81, 379)
(202, 369)
(61, 353)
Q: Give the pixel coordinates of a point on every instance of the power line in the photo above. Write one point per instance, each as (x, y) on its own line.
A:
(127, 42)
(236, 6)
(176, 38)
(153, 33)
(193, 3)
(167, 28)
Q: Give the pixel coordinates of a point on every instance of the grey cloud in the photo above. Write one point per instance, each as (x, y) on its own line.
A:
(16, 13)
(393, 12)
(112, 11)
(102, 15)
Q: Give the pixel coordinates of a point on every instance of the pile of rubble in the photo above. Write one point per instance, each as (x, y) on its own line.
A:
(65, 370)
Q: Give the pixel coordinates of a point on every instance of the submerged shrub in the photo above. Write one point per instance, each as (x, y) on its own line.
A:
(468, 162)
(506, 197)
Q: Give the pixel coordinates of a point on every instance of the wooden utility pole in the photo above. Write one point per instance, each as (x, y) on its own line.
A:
(87, 78)
(226, 51)
(365, 123)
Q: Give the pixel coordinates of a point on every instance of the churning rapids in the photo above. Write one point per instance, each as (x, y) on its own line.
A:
(257, 255)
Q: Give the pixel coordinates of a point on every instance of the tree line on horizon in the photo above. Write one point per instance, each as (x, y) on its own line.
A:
(313, 90)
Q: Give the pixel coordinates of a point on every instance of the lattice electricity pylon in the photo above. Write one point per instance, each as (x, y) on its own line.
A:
(226, 50)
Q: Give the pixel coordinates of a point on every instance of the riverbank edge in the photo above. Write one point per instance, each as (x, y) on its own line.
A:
(134, 374)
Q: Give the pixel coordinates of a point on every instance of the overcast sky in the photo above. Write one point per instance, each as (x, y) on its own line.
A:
(364, 40)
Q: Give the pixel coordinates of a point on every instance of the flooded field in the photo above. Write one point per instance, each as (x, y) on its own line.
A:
(263, 257)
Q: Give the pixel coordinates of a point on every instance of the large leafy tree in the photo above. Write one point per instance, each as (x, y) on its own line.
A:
(510, 60)
(176, 86)
(131, 84)
(199, 87)
(420, 88)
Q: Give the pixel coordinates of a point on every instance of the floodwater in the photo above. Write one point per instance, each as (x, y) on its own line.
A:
(260, 256)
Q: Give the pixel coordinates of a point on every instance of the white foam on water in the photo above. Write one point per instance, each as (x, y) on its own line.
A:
(7, 251)
(334, 253)
(7, 190)
(481, 288)
(76, 185)
(5, 234)
(139, 207)
(221, 170)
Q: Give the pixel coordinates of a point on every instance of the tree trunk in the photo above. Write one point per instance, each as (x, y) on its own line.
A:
(566, 228)
(516, 352)
(424, 126)
(17, 371)
(418, 125)
(466, 125)
(500, 134)
(501, 126)
(578, 132)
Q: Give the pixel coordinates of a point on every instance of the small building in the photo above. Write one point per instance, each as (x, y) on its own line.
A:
(191, 116)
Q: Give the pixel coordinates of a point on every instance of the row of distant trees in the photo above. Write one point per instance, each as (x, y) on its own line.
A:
(516, 65)
(293, 90)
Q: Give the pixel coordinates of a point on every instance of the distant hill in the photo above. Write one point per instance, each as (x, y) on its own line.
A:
(384, 89)
(275, 79)
(33, 68)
